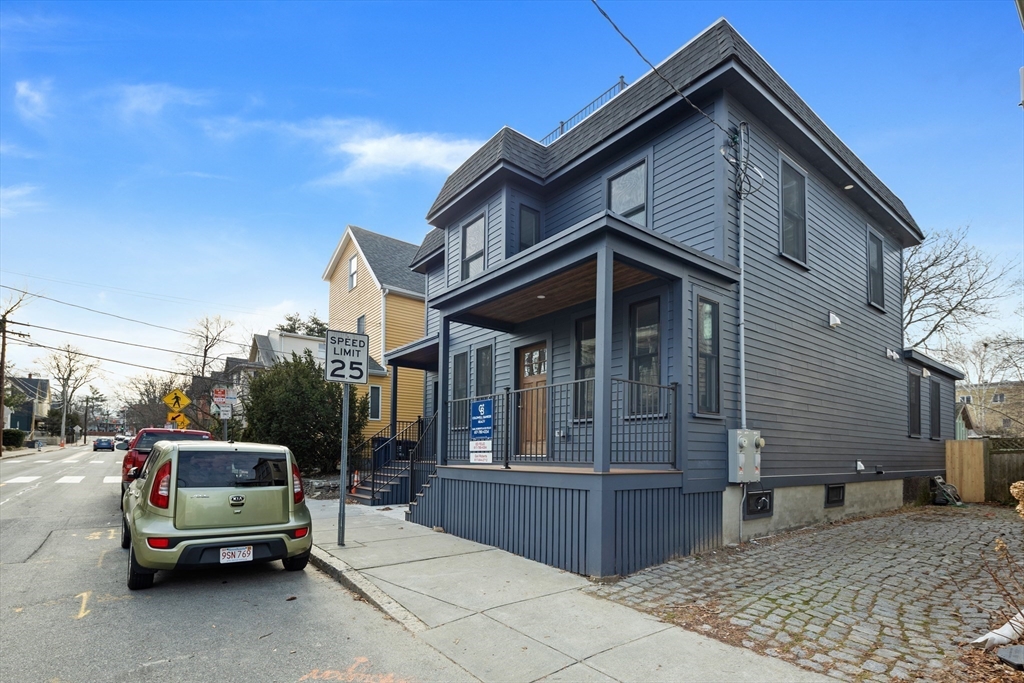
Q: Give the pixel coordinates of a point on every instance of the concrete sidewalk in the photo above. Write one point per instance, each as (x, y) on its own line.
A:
(506, 618)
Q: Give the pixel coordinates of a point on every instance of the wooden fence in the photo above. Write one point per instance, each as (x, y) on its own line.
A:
(983, 469)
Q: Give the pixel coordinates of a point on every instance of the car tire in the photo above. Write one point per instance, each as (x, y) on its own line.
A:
(138, 578)
(297, 563)
(120, 502)
(126, 533)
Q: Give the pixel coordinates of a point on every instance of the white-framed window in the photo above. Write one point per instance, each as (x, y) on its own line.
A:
(876, 276)
(353, 266)
(965, 399)
(793, 212)
(374, 402)
(473, 248)
(361, 325)
(999, 398)
(627, 193)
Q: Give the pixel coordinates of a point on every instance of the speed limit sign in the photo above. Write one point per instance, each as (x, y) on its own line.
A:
(348, 357)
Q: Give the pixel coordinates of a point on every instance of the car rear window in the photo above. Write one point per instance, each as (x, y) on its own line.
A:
(147, 440)
(220, 469)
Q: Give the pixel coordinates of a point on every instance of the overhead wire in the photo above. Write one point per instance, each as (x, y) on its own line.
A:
(108, 360)
(113, 341)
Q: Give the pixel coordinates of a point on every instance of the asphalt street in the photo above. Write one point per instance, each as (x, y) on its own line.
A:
(67, 615)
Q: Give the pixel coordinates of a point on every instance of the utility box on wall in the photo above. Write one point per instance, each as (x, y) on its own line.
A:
(745, 455)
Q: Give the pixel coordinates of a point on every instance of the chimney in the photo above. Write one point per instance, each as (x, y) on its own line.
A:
(30, 375)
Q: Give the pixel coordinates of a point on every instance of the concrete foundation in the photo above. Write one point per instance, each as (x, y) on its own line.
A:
(800, 506)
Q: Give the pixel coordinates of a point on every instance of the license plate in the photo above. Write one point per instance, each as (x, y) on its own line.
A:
(240, 554)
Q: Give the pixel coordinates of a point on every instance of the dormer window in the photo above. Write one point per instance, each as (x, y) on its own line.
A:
(627, 194)
(473, 248)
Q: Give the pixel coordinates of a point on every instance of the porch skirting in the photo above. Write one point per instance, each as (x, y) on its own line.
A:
(587, 523)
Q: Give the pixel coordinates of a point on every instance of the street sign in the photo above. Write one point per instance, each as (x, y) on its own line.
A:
(177, 400)
(225, 411)
(178, 419)
(481, 431)
(77, 429)
(348, 357)
(220, 395)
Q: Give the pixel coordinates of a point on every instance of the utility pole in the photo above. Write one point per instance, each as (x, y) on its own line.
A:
(3, 364)
(85, 427)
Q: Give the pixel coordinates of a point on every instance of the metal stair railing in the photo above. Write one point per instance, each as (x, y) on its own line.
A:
(395, 448)
(423, 458)
(361, 458)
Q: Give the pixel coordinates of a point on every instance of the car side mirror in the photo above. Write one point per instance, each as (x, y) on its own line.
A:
(133, 473)
(121, 446)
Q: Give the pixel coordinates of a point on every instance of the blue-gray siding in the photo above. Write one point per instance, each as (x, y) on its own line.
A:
(655, 525)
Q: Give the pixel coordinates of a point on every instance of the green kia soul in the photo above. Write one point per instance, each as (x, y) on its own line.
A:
(197, 504)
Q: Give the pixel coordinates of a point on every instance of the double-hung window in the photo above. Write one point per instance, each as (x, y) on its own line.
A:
(473, 248)
(529, 227)
(999, 398)
(353, 266)
(794, 213)
(914, 404)
(484, 371)
(586, 344)
(374, 402)
(627, 194)
(935, 409)
(708, 396)
(644, 357)
(361, 325)
(876, 281)
(460, 390)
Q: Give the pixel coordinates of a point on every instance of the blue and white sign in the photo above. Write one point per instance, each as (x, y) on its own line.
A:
(481, 431)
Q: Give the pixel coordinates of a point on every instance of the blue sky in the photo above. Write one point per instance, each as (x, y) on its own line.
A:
(207, 156)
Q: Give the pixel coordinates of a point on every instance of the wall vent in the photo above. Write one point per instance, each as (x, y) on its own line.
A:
(835, 495)
(759, 504)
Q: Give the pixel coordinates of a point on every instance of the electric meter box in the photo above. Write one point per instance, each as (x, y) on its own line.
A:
(745, 455)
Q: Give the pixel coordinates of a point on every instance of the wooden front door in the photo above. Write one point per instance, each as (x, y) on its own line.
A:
(532, 368)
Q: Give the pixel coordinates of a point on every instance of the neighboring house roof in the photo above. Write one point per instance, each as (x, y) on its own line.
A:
(261, 351)
(387, 259)
(963, 413)
(432, 244)
(716, 45)
(932, 364)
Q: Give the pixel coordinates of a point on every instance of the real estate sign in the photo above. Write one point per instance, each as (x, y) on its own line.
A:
(481, 431)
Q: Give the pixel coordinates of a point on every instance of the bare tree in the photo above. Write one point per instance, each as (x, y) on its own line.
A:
(208, 336)
(948, 286)
(70, 370)
(143, 395)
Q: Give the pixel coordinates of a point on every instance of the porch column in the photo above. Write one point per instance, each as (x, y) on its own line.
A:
(443, 340)
(394, 401)
(603, 361)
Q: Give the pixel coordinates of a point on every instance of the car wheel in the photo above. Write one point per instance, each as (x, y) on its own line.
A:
(138, 578)
(126, 533)
(120, 503)
(297, 563)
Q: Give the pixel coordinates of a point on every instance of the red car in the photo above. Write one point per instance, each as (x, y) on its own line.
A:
(140, 446)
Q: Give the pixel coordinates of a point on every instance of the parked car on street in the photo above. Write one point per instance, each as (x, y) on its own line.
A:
(139, 447)
(103, 443)
(196, 504)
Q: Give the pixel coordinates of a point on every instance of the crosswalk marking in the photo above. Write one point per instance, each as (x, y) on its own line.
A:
(111, 480)
(71, 460)
(70, 480)
(21, 480)
(97, 462)
(42, 461)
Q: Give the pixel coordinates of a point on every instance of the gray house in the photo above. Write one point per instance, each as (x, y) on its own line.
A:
(677, 325)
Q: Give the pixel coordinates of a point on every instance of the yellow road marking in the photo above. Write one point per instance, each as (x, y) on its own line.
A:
(110, 534)
(100, 563)
(94, 536)
(85, 599)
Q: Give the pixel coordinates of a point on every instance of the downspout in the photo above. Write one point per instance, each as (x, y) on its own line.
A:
(383, 322)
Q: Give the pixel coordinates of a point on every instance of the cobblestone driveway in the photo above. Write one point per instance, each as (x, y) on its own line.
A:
(883, 598)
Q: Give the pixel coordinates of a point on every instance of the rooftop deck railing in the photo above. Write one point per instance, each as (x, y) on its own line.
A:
(554, 424)
(567, 125)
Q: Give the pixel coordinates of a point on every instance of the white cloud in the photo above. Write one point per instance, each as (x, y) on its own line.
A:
(30, 99)
(15, 199)
(10, 150)
(149, 99)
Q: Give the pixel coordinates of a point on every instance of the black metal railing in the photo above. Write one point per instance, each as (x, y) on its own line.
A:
(567, 125)
(423, 458)
(555, 424)
(379, 451)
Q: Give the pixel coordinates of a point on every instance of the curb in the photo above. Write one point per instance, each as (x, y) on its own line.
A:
(360, 585)
(30, 451)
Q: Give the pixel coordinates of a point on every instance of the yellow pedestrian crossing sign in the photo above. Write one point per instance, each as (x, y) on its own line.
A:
(179, 419)
(177, 400)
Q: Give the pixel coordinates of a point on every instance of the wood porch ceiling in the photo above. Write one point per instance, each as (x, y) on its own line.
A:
(568, 288)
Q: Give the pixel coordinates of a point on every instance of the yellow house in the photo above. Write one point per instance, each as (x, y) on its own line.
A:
(374, 292)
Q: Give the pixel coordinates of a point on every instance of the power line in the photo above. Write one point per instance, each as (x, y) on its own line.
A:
(732, 136)
(143, 295)
(114, 315)
(113, 341)
(108, 360)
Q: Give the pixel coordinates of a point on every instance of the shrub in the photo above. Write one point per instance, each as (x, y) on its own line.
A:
(14, 438)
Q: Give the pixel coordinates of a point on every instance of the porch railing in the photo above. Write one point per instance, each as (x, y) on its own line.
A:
(555, 424)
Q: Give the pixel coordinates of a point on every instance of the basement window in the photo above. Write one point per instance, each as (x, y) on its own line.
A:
(759, 504)
(835, 495)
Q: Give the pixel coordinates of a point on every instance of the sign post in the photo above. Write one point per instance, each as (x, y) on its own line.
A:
(347, 361)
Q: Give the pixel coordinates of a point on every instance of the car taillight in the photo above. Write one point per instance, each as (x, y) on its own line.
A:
(159, 542)
(297, 495)
(300, 532)
(160, 496)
